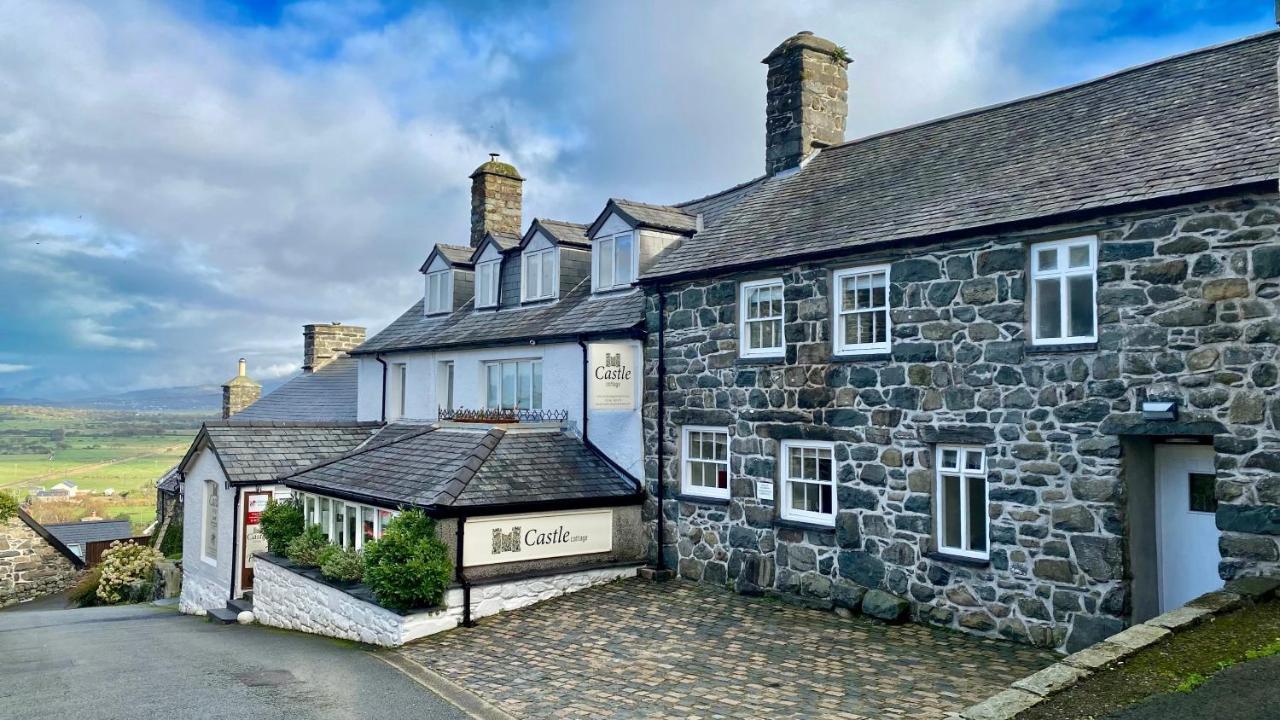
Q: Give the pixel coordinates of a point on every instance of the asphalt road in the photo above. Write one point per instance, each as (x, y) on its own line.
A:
(139, 662)
(1248, 691)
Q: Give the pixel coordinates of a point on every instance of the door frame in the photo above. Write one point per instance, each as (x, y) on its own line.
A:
(246, 570)
(1160, 451)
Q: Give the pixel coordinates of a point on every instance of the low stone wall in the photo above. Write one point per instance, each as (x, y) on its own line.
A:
(30, 567)
(286, 599)
(199, 594)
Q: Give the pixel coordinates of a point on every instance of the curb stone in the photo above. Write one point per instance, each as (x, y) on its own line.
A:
(1030, 691)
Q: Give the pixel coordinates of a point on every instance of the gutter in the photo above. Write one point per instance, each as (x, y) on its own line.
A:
(235, 516)
(378, 357)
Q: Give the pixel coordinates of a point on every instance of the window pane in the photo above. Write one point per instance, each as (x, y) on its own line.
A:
(536, 401)
(847, 291)
(524, 392)
(878, 290)
(366, 523)
(951, 511)
(493, 395)
(605, 263)
(824, 505)
(548, 274)
(508, 385)
(794, 462)
(1048, 309)
(1047, 259)
(950, 459)
(622, 259)
(1078, 256)
(973, 460)
(977, 514)
(1080, 289)
(1202, 489)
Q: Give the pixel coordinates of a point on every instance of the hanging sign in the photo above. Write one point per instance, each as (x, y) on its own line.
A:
(613, 371)
(514, 538)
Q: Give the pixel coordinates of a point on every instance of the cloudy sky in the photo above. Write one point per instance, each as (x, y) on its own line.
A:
(185, 183)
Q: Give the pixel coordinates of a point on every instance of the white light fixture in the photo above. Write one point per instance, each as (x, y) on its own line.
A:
(1159, 410)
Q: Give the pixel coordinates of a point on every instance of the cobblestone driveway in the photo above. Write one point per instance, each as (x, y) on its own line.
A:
(681, 650)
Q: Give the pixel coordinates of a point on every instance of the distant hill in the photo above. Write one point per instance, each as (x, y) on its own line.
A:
(191, 398)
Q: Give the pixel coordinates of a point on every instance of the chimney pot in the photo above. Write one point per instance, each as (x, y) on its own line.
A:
(807, 99)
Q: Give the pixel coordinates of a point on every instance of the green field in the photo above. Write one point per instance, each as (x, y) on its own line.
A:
(99, 451)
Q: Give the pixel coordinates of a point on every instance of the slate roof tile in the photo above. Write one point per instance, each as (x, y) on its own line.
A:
(261, 451)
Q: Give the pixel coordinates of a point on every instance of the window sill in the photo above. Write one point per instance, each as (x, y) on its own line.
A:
(1049, 349)
(701, 499)
(761, 360)
(802, 525)
(958, 559)
(865, 357)
(538, 301)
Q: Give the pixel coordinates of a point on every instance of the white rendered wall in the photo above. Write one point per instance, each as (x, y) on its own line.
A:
(617, 433)
(205, 585)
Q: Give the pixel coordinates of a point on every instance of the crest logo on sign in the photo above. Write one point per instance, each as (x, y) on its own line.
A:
(506, 542)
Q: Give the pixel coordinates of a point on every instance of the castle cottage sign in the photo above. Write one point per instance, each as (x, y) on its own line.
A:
(514, 538)
(613, 376)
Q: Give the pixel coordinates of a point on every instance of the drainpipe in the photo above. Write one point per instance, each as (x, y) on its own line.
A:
(235, 519)
(378, 357)
(660, 425)
(461, 576)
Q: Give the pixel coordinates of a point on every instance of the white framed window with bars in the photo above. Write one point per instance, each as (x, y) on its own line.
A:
(960, 501)
(487, 274)
(1064, 282)
(539, 274)
(808, 482)
(760, 319)
(861, 315)
(704, 464)
(439, 295)
(513, 385)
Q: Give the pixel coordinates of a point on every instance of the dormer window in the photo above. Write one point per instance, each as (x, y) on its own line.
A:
(487, 283)
(614, 261)
(539, 274)
(439, 296)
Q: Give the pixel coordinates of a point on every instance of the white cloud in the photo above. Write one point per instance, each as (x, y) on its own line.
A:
(13, 367)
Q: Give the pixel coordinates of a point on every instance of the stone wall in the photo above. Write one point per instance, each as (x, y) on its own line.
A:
(199, 593)
(286, 599)
(1188, 302)
(30, 567)
(324, 343)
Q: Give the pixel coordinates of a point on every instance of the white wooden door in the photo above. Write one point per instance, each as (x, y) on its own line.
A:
(1185, 523)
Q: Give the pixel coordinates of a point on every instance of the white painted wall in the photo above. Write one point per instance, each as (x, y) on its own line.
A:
(205, 585)
(617, 433)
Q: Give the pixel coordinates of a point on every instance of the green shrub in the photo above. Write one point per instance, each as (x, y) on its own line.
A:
(171, 543)
(408, 567)
(8, 506)
(281, 523)
(342, 565)
(306, 548)
(127, 572)
(85, 592)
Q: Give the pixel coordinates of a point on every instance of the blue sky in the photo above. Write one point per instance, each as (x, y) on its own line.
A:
(182, 184)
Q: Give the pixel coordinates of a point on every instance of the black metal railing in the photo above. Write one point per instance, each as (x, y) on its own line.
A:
(497, 416)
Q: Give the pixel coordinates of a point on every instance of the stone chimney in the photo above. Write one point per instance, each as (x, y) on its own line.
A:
(495, 200)
(324, 343)
(239, 393)
(807, 101)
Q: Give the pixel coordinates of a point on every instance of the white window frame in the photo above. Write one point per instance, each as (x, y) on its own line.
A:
(535, 388)
(551, 255)
(686, 485)
(841, 345)
(744, 345)
(311, 503)
(438, 303)
(397, 392)
(444, 384)
(209, 523)
(607, 245)
(1063, 274)
(784, 502)
(488, 275)
(965, 475)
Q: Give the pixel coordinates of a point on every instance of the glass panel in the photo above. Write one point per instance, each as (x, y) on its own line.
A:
(548, 274)
(508, 385)
(950, 459)
(605, 264)
(1047, 259)
(863, 293)
(340, 524)
(1080, 288)
(352, 526)
(622, 259)
(1048, 309)
(536, 401)
(524, 393)
(973, 460)
(1078, 256)
(493, 397)
(324, 518)
(878, 290)
(797, 496)
(384, 517)
(977, 514)
(824, 492)
(847, 291)
(951, 511)
(366, 522)
(1203, 495)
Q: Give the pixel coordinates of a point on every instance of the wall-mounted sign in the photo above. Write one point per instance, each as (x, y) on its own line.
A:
(514, 538)
(613, 370)
(764, 490)
(253, 541)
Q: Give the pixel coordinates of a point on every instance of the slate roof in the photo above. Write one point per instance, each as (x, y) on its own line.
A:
(170, 481)
(458, 256)
(328, 394)
(575, 314)
(661, 217)
(254, 452)
(1204, 120)
(79, 533)
(438, 467)
(564, 232)
(505, 242)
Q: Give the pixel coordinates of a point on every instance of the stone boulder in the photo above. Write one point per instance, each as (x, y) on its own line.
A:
(884, 606)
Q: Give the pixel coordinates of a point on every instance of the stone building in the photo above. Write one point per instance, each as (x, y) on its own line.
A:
(1013, 371)
(239, 392)
(33, 563)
